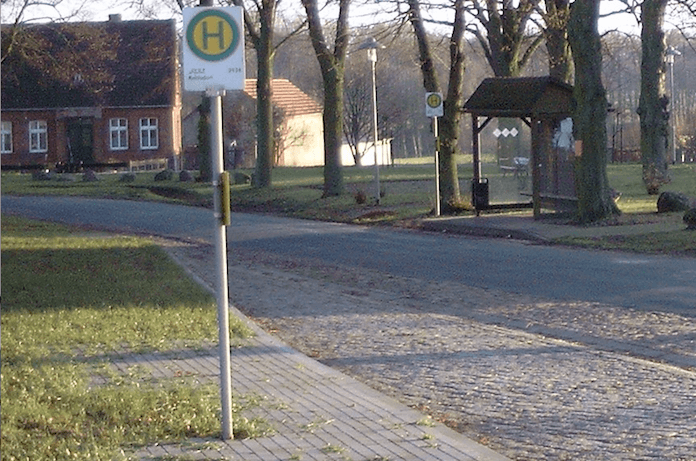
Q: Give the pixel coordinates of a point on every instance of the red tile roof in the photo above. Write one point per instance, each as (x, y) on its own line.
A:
(99, 64)
(287, 97)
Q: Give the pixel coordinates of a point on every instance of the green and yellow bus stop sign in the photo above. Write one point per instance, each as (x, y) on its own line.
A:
(213, 54)
(212, 35)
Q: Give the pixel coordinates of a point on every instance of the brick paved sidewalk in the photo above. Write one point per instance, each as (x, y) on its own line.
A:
(318, 413)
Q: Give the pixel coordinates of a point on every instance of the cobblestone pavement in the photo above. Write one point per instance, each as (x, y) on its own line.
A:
(531, 378)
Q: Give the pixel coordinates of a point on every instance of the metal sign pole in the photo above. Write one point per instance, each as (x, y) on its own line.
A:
(372, 53)
(434, 108)
(219, 178)
(213, 61)
(437, 167)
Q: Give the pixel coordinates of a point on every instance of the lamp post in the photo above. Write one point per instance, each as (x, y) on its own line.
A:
(669, 59)
(372, 46)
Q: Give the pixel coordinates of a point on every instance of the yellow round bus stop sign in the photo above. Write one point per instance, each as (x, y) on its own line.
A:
(433, 105)
(212, 35)
(214, 48)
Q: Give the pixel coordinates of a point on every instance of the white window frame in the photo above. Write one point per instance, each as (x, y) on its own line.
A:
(6, 137)
(149, 133)
(118, 134)
(38, 136)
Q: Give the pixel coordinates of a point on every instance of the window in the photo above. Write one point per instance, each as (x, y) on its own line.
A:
(118, 133)
(38, 136)
(148, 133)
(6, 138)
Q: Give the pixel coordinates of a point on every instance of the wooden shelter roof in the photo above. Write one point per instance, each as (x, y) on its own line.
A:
(521, 97)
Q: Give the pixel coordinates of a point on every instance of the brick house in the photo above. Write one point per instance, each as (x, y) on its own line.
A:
(90, 94)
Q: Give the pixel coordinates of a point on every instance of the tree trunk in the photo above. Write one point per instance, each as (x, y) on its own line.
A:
(332, 65)
(264, 100)
(205, 161)
(652, 108)
(506, 43)
(592, 184)
(262, 40)
(333, 131)
(450, 125)
(427, 65)
(450, 122)
(556, 33)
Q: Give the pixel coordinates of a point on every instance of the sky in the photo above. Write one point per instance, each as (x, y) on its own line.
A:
(99, 10)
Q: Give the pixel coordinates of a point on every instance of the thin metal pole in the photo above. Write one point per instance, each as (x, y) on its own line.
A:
(476, 135)
(221, 264)
(673, 109)
(437, 167)
(374, 125)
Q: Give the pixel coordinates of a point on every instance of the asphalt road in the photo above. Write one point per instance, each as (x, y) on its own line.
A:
(659, 283)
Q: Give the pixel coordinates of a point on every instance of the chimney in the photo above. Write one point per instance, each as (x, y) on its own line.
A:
(114, 18)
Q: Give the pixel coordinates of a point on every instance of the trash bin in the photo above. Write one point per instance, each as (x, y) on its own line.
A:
(479, 194)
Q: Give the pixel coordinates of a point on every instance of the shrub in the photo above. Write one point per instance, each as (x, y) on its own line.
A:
(360, 197)
(164, 175)
(127, 177)
(186, 176)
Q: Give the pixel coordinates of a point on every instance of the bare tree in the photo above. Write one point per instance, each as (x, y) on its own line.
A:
(454, 98)
(332, 65)
(652, 108)
(17, 15)
(555, 30)
(506, 41)
(592, 184)
(259, 21)
(260, 29)
(357, 120)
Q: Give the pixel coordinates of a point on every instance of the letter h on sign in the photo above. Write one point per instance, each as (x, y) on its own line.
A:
(219, 34)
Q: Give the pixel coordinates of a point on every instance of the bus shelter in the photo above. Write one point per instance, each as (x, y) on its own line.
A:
(545, 105)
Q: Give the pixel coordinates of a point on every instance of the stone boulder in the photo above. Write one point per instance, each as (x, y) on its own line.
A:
(669, 202)
(90, 176)
(164, 175)
(690, 219)
(186, 176)
(241, 178)
(43, 175)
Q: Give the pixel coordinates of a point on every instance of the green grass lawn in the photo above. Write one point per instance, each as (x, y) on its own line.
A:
(627, 179)
(408, 185)
(110, 185)
(70, 303)
(408, 193)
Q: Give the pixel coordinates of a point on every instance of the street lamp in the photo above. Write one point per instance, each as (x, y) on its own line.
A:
(372, 46)
(669, 59)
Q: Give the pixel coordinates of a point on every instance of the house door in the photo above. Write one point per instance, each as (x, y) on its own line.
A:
(80, 141)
